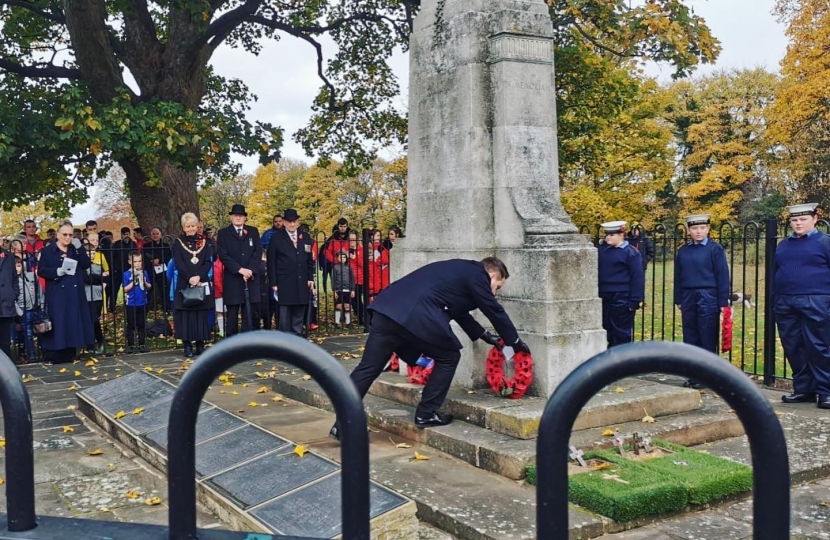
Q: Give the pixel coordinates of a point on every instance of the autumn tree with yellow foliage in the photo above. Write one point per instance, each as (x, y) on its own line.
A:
(800, 118)
(274, 189)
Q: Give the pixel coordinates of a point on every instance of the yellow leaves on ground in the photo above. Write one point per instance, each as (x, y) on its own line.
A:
(154, 501)
(400, 445)
(244, 385)
(262, 390)
(96, 452)
(2, 442)
(619, 390)
(68, 429)
(222, 392)
(2, 481)
(647, 419)
(253, 404)
(300, 450)
(119, 415)
(149, 368)
(259, 364)
(234, 393)
(227, 383)
(138, 410)
(276, 399)
(89, 363)
(227, 377)
(608, 433)
(73, 387)
(62, 370)
(71, 408)
(132, 495)
(160, 371)
(419, 457)
(306, 377)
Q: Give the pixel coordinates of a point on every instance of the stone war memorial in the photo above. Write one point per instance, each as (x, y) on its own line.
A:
(483, 177)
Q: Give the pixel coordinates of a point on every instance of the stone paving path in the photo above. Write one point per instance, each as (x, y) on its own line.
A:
(72, 482)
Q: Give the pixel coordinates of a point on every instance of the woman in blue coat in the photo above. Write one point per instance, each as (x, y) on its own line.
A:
(65, 298)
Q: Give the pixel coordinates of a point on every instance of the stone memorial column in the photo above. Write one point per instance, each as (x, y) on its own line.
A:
(483, 177)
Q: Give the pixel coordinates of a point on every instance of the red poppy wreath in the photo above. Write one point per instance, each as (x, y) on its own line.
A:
(515, 387)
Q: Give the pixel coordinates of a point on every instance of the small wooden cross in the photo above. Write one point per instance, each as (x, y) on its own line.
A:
(576, 454)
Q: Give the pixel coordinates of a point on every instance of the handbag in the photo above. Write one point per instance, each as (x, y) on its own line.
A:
(41, 323)
(193, 296)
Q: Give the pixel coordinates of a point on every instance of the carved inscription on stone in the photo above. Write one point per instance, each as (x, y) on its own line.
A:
(516, 48)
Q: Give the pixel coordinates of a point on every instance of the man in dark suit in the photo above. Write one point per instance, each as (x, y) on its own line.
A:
(240, 252)
(119, 264)
(412, 317)
(291, 272)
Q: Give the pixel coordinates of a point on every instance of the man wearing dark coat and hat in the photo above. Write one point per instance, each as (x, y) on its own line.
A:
(240, 251)
(291, 272)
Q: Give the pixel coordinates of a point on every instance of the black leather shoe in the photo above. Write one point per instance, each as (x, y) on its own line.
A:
(799, 398)
(188, 350)
(434, 420)
(824, 402)
(334, 432)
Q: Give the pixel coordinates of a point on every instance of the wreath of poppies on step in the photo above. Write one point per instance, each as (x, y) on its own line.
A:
(522, 374)
(414, 374)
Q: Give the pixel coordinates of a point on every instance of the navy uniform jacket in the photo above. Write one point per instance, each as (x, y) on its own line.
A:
(236, 253)
(621, 271)
(290, 268)
(702, 266)
(425, 301)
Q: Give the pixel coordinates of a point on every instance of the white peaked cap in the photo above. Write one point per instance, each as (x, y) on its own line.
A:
(611, 227)
(699, 219)
(807, 209)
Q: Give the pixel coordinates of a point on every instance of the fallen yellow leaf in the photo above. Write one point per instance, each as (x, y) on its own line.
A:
(138, 410)
(262, 390)
(244, 385)
(306, 377)
(234, 393)
(647, 419)
(110, 465)
(1, 481)
(62, 370)
(222, 391)
(253, 404)
(74, 362)
(420, 457)
(96, 452)
(89, 363)
(608, 433)
(619, 390)
(300, 450)
(73, 387)
(132, 495)
(259, 364)
(93, 378)
(276, 399)
(824, 503)
(119, 415)
(68, 429)
(78, 373)
(400, 445)
(160, 370)
(152, 502)
(71, 408)
(149, 368)
(227, 383)
(2, 442)
(93, 360)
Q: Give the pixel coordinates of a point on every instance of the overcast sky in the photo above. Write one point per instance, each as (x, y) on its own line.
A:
(284, 77)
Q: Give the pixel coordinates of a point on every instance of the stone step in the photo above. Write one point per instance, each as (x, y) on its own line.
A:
(506, 455)
(625, 401)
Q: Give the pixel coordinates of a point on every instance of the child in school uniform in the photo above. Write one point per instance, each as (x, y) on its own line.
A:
(30, 300)
(343, 285)
(136, 283)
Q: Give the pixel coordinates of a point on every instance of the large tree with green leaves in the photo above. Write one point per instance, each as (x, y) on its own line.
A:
(90, 83)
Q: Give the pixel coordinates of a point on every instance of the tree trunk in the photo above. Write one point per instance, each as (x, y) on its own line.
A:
(162, 206)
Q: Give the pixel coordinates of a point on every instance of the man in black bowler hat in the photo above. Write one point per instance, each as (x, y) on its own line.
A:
(240, 252)
(412, 317)
(291, 272)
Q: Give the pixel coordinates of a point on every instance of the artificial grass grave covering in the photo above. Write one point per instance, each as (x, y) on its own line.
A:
(629, 489)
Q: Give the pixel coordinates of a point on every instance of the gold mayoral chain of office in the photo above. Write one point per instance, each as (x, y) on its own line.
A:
(195, 258)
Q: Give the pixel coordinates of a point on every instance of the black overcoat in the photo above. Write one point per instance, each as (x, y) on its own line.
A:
(65, 299)
(291, 268)
(186, 269)
(8, 285)
(425, 301)
(236, 253)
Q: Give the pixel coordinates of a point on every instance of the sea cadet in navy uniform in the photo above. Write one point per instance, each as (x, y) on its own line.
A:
(701, 286)
(240, 251)
(801, 300)
(621, 283)
(290, 263)
(412, 317)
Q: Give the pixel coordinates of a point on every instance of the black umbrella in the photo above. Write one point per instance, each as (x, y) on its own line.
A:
(248, 320)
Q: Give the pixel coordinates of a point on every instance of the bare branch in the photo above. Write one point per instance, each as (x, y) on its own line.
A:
(221, 28)
(44, 71)
(54, 15)
(596, 43)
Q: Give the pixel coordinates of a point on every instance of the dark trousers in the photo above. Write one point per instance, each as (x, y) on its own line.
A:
(95, 307)
(804, 326)
(112, 294)
(291, 319)
(161, 291)
(357, 303)
(136, 324)
(27, 334)
(385, 337)
(6, 335)
(232, 318)
(701, 318)
(617, 319)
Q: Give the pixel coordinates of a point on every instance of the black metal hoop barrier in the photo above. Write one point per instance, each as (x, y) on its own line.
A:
(265, 345)
(771, 488)
(20, 458)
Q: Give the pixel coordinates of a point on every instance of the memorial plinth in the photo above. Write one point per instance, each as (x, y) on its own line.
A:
(483, 177)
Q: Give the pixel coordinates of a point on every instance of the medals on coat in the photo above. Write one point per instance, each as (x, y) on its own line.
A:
(195, 258)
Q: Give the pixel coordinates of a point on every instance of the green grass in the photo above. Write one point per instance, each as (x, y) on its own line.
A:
(660, 319)
(632, 489)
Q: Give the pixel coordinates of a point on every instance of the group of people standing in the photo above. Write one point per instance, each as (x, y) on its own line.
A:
(801, 294)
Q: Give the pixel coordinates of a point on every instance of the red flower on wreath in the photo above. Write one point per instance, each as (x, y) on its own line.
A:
(515, 387)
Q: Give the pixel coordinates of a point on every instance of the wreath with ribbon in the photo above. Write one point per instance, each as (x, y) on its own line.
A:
(414, 374)
(515, 387)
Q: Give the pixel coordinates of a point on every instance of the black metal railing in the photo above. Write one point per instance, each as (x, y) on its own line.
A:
(771, 481)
